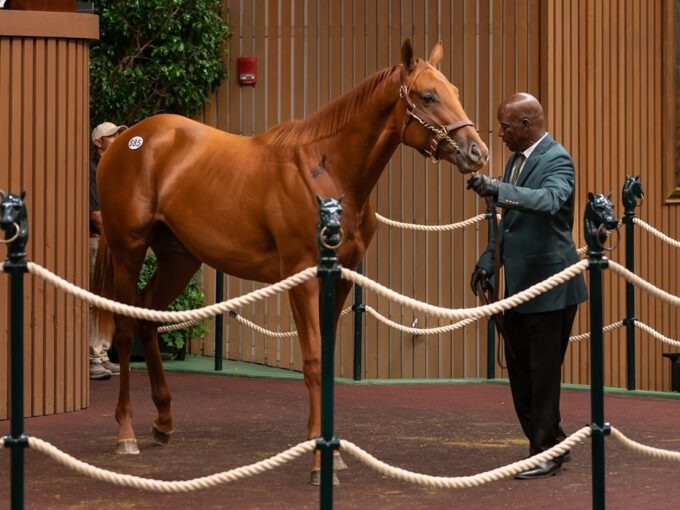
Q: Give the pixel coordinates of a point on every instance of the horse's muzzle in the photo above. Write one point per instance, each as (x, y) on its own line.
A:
(471, 157)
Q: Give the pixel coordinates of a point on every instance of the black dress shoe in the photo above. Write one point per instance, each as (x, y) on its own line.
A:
(543, 470)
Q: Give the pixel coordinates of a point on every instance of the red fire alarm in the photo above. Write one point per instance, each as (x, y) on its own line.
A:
(247, 70)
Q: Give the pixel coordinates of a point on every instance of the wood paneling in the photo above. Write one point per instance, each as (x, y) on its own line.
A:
(44, 144)
(596, 67)
(604, 94)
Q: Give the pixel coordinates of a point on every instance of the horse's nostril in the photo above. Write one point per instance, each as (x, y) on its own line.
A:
(474, 152)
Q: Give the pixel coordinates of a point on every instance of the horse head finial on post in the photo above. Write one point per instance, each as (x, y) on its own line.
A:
(329, 233)
(14, 221)
(632, 195)
(598, 221)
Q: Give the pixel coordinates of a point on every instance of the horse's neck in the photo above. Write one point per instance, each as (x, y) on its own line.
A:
(363, 148)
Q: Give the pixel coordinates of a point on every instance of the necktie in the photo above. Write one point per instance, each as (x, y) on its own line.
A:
(516, 167)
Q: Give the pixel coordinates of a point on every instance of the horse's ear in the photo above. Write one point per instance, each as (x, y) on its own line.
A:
(407, 57)
(609, 195)
(23, 194)
(342, 197)
(590, 195)
(319, 200)
(436, 54)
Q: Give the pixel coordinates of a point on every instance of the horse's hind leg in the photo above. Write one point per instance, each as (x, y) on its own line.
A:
(126, 270)
(175, 267)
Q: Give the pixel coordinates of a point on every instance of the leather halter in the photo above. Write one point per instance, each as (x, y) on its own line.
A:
(441, 133)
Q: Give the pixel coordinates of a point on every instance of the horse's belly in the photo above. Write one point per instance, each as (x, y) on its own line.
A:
(244, 253)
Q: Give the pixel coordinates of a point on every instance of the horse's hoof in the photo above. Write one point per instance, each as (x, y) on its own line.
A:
(127, 447)
(338, 463)
(159, 436)
(315, 478)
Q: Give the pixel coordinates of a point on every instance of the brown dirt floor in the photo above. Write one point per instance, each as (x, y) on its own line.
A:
(438, 429)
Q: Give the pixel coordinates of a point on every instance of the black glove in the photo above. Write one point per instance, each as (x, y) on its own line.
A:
(484, 185)
(479, 275)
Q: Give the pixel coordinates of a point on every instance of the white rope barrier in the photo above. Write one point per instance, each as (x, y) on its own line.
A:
(644, 327)
(137, 482)
(186, 315)
(275, 334)
(657, 233)
(639, 282)
(650, 451)
(475, 312)
(606, 329)
(431, 228)
(462, 482)
(443, 482)
(419, 331)
(179, 325)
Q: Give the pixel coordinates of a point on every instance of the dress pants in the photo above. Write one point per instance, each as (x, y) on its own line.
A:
(535, 349)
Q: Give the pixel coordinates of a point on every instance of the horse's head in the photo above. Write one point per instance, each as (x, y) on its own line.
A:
(330, 220)
(13, 218)
(599, 219)
(632, 194)
(442, 129)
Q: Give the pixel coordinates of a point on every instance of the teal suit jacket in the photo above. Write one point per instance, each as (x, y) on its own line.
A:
(535, 231)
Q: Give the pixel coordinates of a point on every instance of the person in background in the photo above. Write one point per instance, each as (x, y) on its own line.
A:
(535, 239)
(99, 339)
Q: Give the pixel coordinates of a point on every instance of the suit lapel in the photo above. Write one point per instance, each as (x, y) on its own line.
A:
(534, 159)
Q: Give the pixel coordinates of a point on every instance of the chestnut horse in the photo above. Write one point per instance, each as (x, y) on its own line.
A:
(247, 206)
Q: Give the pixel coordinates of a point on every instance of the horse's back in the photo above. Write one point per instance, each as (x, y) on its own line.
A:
(161, 150)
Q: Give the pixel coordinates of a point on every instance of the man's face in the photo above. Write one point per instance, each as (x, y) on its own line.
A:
(106, 141)
(513, 131)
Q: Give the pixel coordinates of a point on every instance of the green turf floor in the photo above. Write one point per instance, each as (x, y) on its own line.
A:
(206, 365)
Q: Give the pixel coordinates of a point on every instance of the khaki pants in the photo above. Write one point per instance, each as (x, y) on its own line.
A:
(99, 343)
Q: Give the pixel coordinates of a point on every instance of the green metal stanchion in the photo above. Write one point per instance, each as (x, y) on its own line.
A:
(359, 309)
(598, 218)
(490, 324)
(13, 220)
(219, 320)
(632, 196)
(329, 237)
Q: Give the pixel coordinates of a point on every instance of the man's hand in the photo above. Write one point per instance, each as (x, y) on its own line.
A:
(96, 224)
(479, 275)
(484, 185)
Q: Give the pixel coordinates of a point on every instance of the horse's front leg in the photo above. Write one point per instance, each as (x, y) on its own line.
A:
(162, 427)
(305, 305)
(304, 301)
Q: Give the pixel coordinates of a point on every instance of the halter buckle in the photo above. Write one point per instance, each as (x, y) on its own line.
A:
(403, 91)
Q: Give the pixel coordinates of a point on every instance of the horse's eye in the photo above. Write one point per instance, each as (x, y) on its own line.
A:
(428, 98)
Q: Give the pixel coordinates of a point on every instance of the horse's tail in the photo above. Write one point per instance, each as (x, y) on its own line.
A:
(102, 285)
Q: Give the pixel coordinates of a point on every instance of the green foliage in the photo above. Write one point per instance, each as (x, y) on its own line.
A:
(192, 297)
(155, 56)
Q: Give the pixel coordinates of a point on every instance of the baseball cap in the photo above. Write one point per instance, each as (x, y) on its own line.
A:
(106, 129)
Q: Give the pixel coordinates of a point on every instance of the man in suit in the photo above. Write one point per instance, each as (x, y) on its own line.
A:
(535, 239)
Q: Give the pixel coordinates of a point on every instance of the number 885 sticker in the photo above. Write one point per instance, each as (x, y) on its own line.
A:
(135, 143)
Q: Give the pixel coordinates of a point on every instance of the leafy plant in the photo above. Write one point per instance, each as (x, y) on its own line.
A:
(155, 56)
(192, 297)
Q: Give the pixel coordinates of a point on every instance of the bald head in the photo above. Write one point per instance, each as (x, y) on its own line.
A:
(522, 121)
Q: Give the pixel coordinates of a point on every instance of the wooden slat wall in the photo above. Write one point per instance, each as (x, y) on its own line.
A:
(596, 66)
(44, 125)
(603, 87)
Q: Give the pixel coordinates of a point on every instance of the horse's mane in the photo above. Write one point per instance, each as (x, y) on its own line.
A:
(330, 119)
